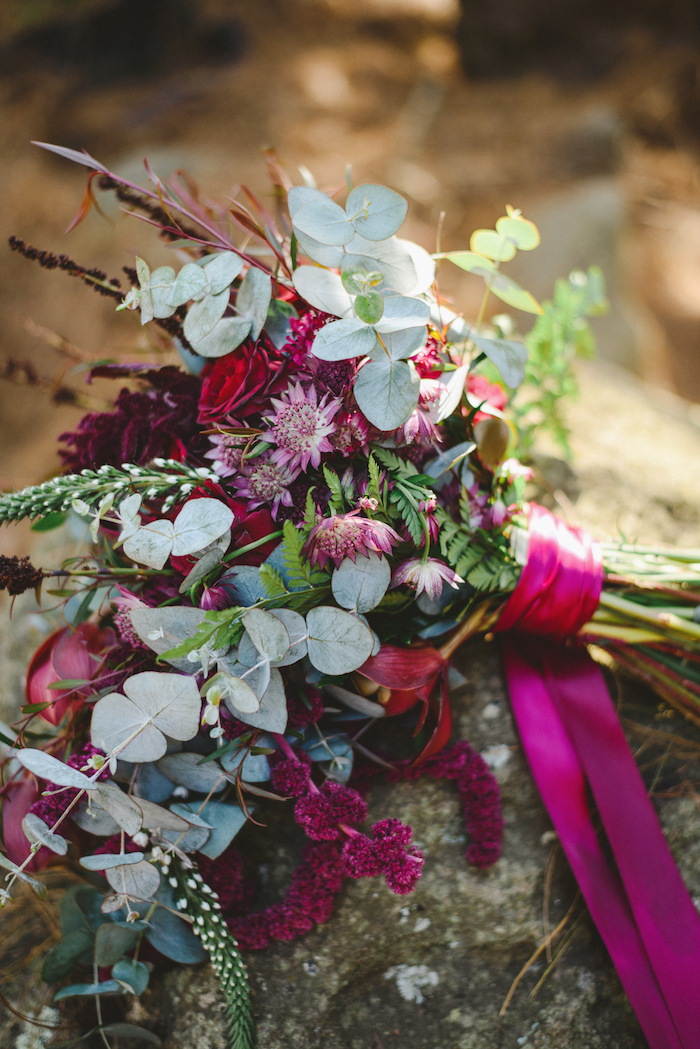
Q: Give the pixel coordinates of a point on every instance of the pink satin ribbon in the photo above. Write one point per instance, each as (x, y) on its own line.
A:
(570, 733)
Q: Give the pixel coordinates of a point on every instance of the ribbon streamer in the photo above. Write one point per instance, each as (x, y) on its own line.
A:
(570, 733)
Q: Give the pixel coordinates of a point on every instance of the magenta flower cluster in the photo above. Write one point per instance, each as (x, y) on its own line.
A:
(388, 852)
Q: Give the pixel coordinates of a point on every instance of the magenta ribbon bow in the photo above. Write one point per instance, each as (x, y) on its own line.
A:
(570, 733)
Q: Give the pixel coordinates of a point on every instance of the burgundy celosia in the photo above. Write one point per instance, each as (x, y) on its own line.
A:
(291, 776)
(479, 793)
(320, 812)
(388, 852)
(142, 424)
(310, 897)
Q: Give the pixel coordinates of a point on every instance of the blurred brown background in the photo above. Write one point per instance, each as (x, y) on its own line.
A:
(585, 116)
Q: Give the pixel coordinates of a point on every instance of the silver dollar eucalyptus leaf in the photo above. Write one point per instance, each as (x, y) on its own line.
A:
(338, 641)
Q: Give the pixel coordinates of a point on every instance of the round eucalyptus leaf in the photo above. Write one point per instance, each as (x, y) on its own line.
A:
(253, 300)
(509, 357)
(369, 307)
(47, 767)
(134, 974)
(120, 807)
(152, 544)
(171, 935)
(86, 990)
(322, 289)
(94, 819)
(247, 653)
(155, 705)
(376, 212)
(297, 196)
(268, 634)
(162, 281)
(493, 245)
(324, 220)
(224, 337)
(36, 830)
(272, 715)
(221, 270)
(343, 340)
(238, 694)
(510, 292)
(191, 840)
(103, 861)
(184, 768)
(243, 585)
(401, 312)
(190, 282)
(523, 233)
(157, 818)
(296, 629)
(255, 768)
(325, 254)
(393, 258)
(164, 628)
(387, 392)
(138, 880)
(400, 344)
(470, 261)
(226, 821)
(200, 522)
(203, 315)
(338, 642)
(361, 584)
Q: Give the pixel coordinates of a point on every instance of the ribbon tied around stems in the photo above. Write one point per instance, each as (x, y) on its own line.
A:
(571, 734)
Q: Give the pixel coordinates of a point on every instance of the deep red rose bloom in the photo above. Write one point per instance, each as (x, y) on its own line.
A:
(241, 383)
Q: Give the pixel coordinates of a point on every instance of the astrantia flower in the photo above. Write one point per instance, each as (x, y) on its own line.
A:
(266, 481)
(301, 426)
(351, 432)
(426, 576)
(347, 535)
(226, 453)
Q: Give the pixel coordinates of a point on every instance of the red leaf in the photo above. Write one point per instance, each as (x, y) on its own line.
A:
(443, 728)
(16, 804)
(403, 668)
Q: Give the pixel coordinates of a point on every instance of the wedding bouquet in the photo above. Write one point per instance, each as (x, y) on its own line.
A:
(290, 534)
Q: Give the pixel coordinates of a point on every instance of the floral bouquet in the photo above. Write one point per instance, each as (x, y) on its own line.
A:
(290, 534)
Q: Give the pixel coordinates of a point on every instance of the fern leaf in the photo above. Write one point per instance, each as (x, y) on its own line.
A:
(272, 581)
(337, 501)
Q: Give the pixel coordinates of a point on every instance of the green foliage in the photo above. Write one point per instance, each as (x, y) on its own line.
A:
(409, 490)
(272, 581)
(337, 500)
(557, 338)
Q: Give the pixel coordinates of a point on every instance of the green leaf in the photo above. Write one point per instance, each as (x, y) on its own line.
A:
(343, 340)
(369, 307)
(469, 261)
(112, 941)
(135, 974)
(324, 220)
(49, 521)
(82, 990)
(65, 954)
(299, 570)
(510, 292)
(337, 500)
(509, 357)
(272, 581)
(387, 392)
(493, 245)
(376, 212)
(522, 232)
(68, 683)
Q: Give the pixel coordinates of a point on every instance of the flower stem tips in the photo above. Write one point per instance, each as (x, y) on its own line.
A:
(194, 896)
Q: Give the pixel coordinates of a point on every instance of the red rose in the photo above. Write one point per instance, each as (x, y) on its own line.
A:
(65, 654)
(241, 382)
